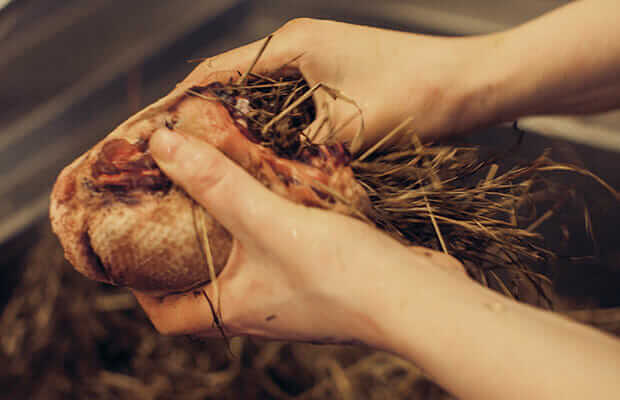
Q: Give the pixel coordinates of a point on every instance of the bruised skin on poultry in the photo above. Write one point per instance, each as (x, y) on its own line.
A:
(121, 220)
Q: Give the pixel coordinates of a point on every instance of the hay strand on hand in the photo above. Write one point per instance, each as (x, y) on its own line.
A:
(242, 79)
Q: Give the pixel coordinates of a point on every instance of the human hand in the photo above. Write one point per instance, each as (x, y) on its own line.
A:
(315, 275)
(390, 75)
(294, 273)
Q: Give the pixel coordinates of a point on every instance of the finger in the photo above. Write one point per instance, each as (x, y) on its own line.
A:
(194, 311)
(334, 119)
(179, 314)
(238, 201)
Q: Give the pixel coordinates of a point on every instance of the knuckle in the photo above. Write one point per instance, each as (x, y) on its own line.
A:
(298, 24)
(451, 263)
(212, 181)
(206, 174)
(300, 30)
(442, 260)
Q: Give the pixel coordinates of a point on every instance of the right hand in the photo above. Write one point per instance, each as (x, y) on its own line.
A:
(295, 272)
(390, 75)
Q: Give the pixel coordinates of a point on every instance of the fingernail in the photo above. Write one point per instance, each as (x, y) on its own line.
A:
(164, 144)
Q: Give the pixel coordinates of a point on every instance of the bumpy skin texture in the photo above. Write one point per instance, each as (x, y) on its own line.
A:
(121, 221)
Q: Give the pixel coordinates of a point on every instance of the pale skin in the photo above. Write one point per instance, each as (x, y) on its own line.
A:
(300, 273)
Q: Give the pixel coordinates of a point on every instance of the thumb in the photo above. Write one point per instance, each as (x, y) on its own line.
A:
(237, 200)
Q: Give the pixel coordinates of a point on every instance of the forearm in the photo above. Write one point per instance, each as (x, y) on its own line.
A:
(481, 345)
(564, 62)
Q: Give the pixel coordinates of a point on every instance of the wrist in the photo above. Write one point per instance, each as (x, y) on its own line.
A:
(392, 304)
(491, 87)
